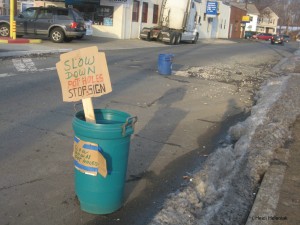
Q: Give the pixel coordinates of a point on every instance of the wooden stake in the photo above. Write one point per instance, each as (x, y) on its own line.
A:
(88, 110)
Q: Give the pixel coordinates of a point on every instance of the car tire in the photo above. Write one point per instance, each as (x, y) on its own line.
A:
(160, 37)
(172, 39)
(80, 37)
(195, 39)
(4, 30)
(178, 39)
(148, 37)
(68, 39)
(57, 35)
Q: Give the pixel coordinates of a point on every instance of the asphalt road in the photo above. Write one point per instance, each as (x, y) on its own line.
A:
(181, 121)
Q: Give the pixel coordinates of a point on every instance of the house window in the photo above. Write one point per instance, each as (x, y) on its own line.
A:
(135, 11)
(104, 15)
(145, 12)
(155, 13)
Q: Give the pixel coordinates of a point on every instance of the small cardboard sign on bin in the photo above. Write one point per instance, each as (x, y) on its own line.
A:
(88, 159)
(83, 74)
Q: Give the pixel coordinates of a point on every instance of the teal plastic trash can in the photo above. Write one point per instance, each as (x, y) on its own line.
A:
(164, 64)
(112, 131)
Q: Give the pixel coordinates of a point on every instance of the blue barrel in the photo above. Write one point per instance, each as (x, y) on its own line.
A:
(112, 131)
(164, 64)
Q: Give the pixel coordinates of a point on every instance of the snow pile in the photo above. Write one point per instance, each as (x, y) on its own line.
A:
(224, 190)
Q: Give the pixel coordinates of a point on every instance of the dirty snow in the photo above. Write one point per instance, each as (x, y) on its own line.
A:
(223, 191)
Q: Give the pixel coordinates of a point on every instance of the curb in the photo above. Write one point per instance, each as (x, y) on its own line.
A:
(20, 41)
(265, 204)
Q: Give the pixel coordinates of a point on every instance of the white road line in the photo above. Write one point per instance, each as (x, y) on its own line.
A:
(19, 65)
(46, 69)
(7, 75)
(36, 71)
(29, 64)
(24, 65)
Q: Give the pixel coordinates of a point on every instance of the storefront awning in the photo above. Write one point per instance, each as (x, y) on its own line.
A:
(81, 2)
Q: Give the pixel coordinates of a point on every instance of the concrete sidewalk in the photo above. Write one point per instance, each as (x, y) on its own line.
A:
(278, 198)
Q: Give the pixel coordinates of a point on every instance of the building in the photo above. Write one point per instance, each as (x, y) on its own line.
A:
(252, 13)
(4, 7)
(213, 24)
(236, 25)
(57, 3)
(224, 20)
(121, 19)
(124, 19)
(267, 21)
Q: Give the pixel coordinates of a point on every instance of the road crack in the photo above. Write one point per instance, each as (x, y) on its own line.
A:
(21, 184)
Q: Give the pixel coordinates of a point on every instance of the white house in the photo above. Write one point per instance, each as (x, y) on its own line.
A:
(223, 20)
(267, 21)
(253, 13)
(215, 25)
(205, 23)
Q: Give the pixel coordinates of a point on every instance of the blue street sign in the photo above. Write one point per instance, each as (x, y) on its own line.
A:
(211, 8)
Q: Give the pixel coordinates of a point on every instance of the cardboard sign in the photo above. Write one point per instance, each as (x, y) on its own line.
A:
(88, 159)
(83, 73)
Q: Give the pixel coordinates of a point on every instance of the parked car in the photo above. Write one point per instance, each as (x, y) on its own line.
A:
(60, 24)
(249, 34)
(255, 35)
(277, 39)
(285, 37)
(264, 36)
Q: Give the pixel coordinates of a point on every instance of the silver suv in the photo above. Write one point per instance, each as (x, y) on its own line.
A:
(60, 24)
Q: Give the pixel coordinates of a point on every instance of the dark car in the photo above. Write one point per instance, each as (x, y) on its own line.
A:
(285, 37)
(60, 24)
(249, 34)
(264, 36)
(277, 39)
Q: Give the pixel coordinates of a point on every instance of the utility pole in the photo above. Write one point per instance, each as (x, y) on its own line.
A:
(12, 21)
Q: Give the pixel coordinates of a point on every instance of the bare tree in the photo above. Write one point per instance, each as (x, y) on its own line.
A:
(295, 12)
